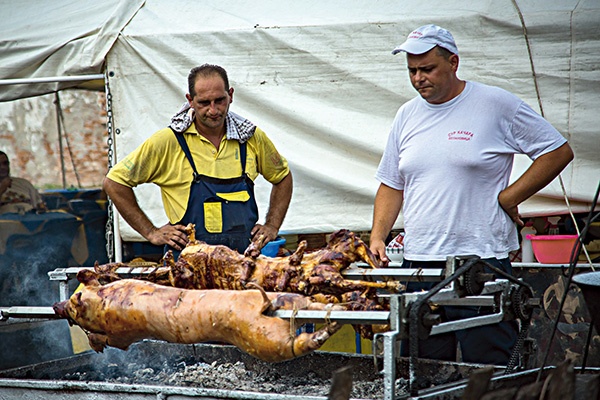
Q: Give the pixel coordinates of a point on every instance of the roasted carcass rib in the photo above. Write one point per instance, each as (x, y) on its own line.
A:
(125, 311)
(204, 266)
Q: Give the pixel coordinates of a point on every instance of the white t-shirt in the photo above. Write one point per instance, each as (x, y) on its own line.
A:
(452, 160)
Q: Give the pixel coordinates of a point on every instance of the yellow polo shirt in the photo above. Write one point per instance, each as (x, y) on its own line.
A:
(160, 160)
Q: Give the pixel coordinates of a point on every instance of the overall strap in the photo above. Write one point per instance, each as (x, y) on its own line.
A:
(186, 150)
(243, 157)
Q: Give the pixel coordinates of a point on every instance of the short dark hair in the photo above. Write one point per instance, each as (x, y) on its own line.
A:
(206, 70)
(3, 154)
(444, 52)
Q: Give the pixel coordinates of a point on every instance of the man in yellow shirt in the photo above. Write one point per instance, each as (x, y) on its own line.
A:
(205, 164)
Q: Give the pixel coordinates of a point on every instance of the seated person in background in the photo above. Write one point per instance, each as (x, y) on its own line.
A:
(17, 195)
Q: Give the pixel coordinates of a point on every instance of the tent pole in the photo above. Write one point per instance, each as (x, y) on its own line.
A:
(118, 243)
(60, 144)
(51, 79)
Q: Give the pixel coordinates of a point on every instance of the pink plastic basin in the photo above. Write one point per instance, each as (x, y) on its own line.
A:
(553, 249)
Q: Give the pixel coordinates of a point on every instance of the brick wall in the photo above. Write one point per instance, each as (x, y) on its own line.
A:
(29, 135)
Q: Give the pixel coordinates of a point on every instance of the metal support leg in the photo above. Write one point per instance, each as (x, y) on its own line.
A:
(63, 289)
(390, 348)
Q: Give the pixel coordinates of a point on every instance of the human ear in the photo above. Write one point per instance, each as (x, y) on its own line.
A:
(454, 61)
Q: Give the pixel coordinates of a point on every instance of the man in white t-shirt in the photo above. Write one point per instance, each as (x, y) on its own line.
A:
(447, 166)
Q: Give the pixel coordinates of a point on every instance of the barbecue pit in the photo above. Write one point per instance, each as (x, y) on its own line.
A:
(462, 282)
(157, 370)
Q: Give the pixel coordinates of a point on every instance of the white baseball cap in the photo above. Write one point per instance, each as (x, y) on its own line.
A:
(425, 38)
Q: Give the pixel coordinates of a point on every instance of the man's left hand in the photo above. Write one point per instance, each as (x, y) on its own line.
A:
(511, 210)
(263, 234)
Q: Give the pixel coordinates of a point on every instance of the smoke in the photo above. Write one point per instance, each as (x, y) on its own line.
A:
(24, 282)
(26, 264)
(34, 343)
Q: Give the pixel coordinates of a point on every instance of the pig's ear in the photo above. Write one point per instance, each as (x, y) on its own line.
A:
(88, 277)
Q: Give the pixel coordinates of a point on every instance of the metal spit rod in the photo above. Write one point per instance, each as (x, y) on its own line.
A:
(302, 316)
(28, 312)
(25, 315)
(354, 273)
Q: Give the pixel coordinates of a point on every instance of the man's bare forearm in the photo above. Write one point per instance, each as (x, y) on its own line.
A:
(124, 199)
(543, 170)
(388, 203)
(279, 202)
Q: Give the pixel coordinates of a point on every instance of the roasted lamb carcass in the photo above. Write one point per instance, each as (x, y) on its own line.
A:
(204, 266)
(125, 311)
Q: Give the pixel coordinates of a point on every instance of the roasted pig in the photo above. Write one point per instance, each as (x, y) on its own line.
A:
(125, 311)
(204, 266)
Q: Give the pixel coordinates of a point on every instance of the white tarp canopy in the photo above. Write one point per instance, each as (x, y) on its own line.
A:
(318, 77)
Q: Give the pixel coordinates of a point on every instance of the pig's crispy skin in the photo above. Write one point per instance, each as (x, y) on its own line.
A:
(126, 311)
(204, 266)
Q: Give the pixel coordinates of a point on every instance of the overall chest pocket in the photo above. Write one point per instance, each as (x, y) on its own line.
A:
(226, 212)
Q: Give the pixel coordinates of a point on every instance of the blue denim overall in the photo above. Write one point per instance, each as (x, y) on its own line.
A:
(223, 210)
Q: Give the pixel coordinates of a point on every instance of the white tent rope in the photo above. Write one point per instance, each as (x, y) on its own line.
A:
(526, 36)
(539, 98)
(587, 255)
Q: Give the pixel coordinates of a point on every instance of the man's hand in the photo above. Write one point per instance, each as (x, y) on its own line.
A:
(173, 235)
(263, 233)
(377, 247)
(281, 194)
(511, 210)
(124, 199)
